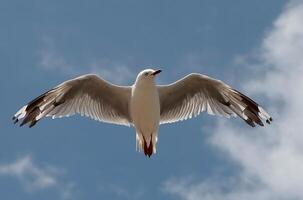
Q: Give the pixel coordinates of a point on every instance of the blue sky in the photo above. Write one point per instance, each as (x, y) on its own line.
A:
(254, 46)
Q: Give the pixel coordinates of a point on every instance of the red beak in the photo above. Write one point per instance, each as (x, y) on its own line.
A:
(156, 72)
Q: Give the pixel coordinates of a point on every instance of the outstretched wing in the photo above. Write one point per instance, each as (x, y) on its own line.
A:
(87, 95)
(196, 93)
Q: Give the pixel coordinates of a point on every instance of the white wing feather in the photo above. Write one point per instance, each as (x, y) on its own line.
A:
(87, 95)
(196, 93)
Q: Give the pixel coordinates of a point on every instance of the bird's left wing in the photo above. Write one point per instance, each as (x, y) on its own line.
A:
(87, 95)
(196, 93)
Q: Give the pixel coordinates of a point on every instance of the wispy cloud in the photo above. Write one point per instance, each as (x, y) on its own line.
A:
(116, 72)
(34, 178)
(31, 176)
(51, 59)
(270, 158)
(218, 189)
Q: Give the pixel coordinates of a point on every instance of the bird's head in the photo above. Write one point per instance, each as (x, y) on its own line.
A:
(147, 76)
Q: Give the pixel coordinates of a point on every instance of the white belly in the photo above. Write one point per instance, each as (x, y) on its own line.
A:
(145, 110)
(145, 113)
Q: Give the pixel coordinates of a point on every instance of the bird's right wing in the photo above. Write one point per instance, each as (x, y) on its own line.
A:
(87, 95)
(196, 93)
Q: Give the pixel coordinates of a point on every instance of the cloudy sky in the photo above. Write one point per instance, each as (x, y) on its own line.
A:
(255, 46)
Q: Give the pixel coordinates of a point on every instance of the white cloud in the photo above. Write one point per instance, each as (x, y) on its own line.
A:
(50, 59)
(227, 189)
(34, 177)
(113, 71)
(31, 176)
(270, 158)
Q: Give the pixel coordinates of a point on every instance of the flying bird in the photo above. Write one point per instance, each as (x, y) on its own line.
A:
(143, 105)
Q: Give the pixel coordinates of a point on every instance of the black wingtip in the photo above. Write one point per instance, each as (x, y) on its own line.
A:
(268, 121)
(16, 120)
(250, 122)
(260, 123)
(23, 122)
(33, 123)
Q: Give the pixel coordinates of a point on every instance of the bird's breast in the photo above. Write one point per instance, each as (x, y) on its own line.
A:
(145, 109)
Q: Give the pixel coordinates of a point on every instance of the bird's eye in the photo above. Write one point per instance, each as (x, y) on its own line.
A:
(146, 73)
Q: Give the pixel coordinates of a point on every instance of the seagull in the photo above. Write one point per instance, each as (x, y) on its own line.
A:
(144, 105)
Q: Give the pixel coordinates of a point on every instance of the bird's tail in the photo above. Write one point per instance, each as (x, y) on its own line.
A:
(148, 149)
(146, 145)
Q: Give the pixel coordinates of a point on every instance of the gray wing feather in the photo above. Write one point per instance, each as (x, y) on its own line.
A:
(196, 93)
(87, 95)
